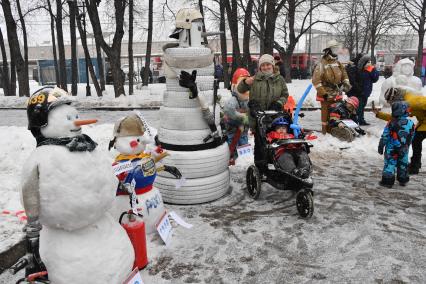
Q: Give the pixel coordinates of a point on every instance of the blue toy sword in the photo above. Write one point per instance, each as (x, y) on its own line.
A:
(295, 126)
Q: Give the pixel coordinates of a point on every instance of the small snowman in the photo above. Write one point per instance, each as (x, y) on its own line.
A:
(68, 188)
(136, 170)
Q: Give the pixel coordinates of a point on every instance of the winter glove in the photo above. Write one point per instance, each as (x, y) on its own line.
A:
(380, 148)
(173, 170)
(346, 86)
(254, 107)
(277, 106)
(360, 130)
(301, 115)
(188, 81)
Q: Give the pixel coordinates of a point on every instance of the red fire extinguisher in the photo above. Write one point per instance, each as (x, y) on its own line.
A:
(135, 228)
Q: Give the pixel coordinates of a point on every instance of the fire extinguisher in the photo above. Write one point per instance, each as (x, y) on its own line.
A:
(135, 228)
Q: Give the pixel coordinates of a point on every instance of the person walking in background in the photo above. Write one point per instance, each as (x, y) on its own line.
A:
(279, 65)
(369, 76)
(328, 77)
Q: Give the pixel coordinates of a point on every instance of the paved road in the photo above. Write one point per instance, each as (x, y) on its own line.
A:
(19, 117)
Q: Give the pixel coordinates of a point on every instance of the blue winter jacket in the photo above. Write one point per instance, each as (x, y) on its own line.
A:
(368, 78)
(399, 131)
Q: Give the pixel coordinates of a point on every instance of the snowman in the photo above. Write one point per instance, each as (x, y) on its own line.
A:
(68, 188)
(136, 170)
(402, 77)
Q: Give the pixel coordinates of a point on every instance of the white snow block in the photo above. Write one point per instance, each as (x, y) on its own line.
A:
(98, 253)
(185, 118)
(204, 83)
(185, 137)
(76, 188)
(198, 164)
(150, 205)
(194, 191)
(182, 100)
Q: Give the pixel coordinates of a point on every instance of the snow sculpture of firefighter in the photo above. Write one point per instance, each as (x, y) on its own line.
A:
(402, 77)
(136, 171)
(68, 188)
(189, 126)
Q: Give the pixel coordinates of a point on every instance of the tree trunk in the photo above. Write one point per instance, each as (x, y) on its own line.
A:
(5, 79)
(15, 52)
(200, 6)
(100, 65)
(246, 34)
(232, 14)
(52, 32)
(130, 48)
(74, 68)
(61, 48)
(421, 33)
(270, 21)
(88, 59)
(24, 36)
(373, 31)
(223, 46)
(148, 45)
(114, 51)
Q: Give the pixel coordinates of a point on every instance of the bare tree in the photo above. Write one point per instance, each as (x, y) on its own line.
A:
(114, 51)
(52, 32)
(4, 71)
(61, 47)
(74, 69)
(223, 46)
(148, 45)
(24, 36)
(15, 52)
(415, 16)
(87, 55)
(130, 48)
(231, 7)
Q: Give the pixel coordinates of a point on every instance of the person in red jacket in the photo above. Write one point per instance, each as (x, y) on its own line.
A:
(292, 158)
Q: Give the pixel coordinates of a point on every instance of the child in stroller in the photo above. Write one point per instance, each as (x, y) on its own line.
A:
(289, 166)
(293, 157)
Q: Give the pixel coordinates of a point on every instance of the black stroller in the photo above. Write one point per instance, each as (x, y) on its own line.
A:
(272, 173)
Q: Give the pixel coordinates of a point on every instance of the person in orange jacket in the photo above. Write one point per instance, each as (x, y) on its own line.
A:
(329, 78)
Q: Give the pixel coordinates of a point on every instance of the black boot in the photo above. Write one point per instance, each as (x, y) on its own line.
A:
(387, 181)
(403, 181)
(413, 168)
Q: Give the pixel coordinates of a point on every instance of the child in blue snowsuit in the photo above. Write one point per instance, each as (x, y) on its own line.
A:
(394, 143)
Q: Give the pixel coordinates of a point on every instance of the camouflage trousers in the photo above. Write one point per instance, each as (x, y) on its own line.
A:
(396, 160)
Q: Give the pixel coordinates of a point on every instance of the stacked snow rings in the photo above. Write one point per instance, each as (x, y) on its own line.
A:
(182, 130)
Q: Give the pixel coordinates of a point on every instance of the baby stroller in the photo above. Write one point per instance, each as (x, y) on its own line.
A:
(273, 174)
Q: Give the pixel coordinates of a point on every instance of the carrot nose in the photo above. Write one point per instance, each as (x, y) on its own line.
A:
(133, 144)
(84, 122)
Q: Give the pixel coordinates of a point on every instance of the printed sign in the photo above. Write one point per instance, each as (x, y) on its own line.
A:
(164, 228)
(179, 220)
(134, 277)
(350, 123)
(122, 167)
(244, 150)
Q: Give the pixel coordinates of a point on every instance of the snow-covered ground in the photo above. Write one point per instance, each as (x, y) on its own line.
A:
(359, 233)
(152, 96)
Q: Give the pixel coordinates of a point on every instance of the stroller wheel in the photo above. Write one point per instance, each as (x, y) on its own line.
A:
(253, 181)
(305, 203)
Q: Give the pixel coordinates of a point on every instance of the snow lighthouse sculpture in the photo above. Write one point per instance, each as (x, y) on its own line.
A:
(189, 126)
(68, 188)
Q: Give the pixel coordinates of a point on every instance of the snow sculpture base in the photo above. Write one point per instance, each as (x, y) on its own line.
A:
(98, 253)
(150, 206)
(183, 127)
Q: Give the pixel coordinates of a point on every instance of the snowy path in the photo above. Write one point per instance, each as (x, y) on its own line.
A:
(359, 233)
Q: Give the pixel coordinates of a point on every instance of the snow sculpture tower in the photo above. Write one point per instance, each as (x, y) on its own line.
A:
(189, 128)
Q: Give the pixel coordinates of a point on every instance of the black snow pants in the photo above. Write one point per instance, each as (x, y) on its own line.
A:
(416, 159)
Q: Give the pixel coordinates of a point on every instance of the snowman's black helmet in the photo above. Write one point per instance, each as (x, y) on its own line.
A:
(40, 103)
